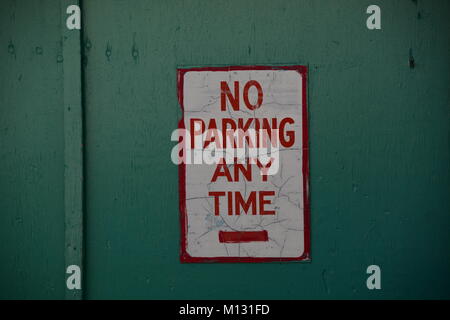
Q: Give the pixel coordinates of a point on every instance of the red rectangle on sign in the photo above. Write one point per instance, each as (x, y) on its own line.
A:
(243, 236)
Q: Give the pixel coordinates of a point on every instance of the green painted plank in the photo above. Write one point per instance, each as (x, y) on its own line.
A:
(73, 147)
(31, 151)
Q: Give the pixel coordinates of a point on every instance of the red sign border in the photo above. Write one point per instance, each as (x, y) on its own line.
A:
(306, 256)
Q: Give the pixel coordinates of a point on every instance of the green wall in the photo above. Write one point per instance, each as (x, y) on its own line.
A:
(31, 151)
(379, 146)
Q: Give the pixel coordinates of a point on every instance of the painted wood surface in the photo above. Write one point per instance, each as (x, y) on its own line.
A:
(31, 151)
(379, 145)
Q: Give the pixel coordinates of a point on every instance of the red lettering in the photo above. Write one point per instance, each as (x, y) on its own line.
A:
(225, 93)
(263, 202)
(247, 87)
(240, 203)
(291, 134)
(216, 195)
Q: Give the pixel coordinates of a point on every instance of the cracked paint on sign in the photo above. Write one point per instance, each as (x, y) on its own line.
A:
(282, 236)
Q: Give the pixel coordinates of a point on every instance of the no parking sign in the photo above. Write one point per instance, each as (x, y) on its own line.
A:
(243, 157)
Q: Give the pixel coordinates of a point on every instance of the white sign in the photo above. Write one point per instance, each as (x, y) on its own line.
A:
(244, 164)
